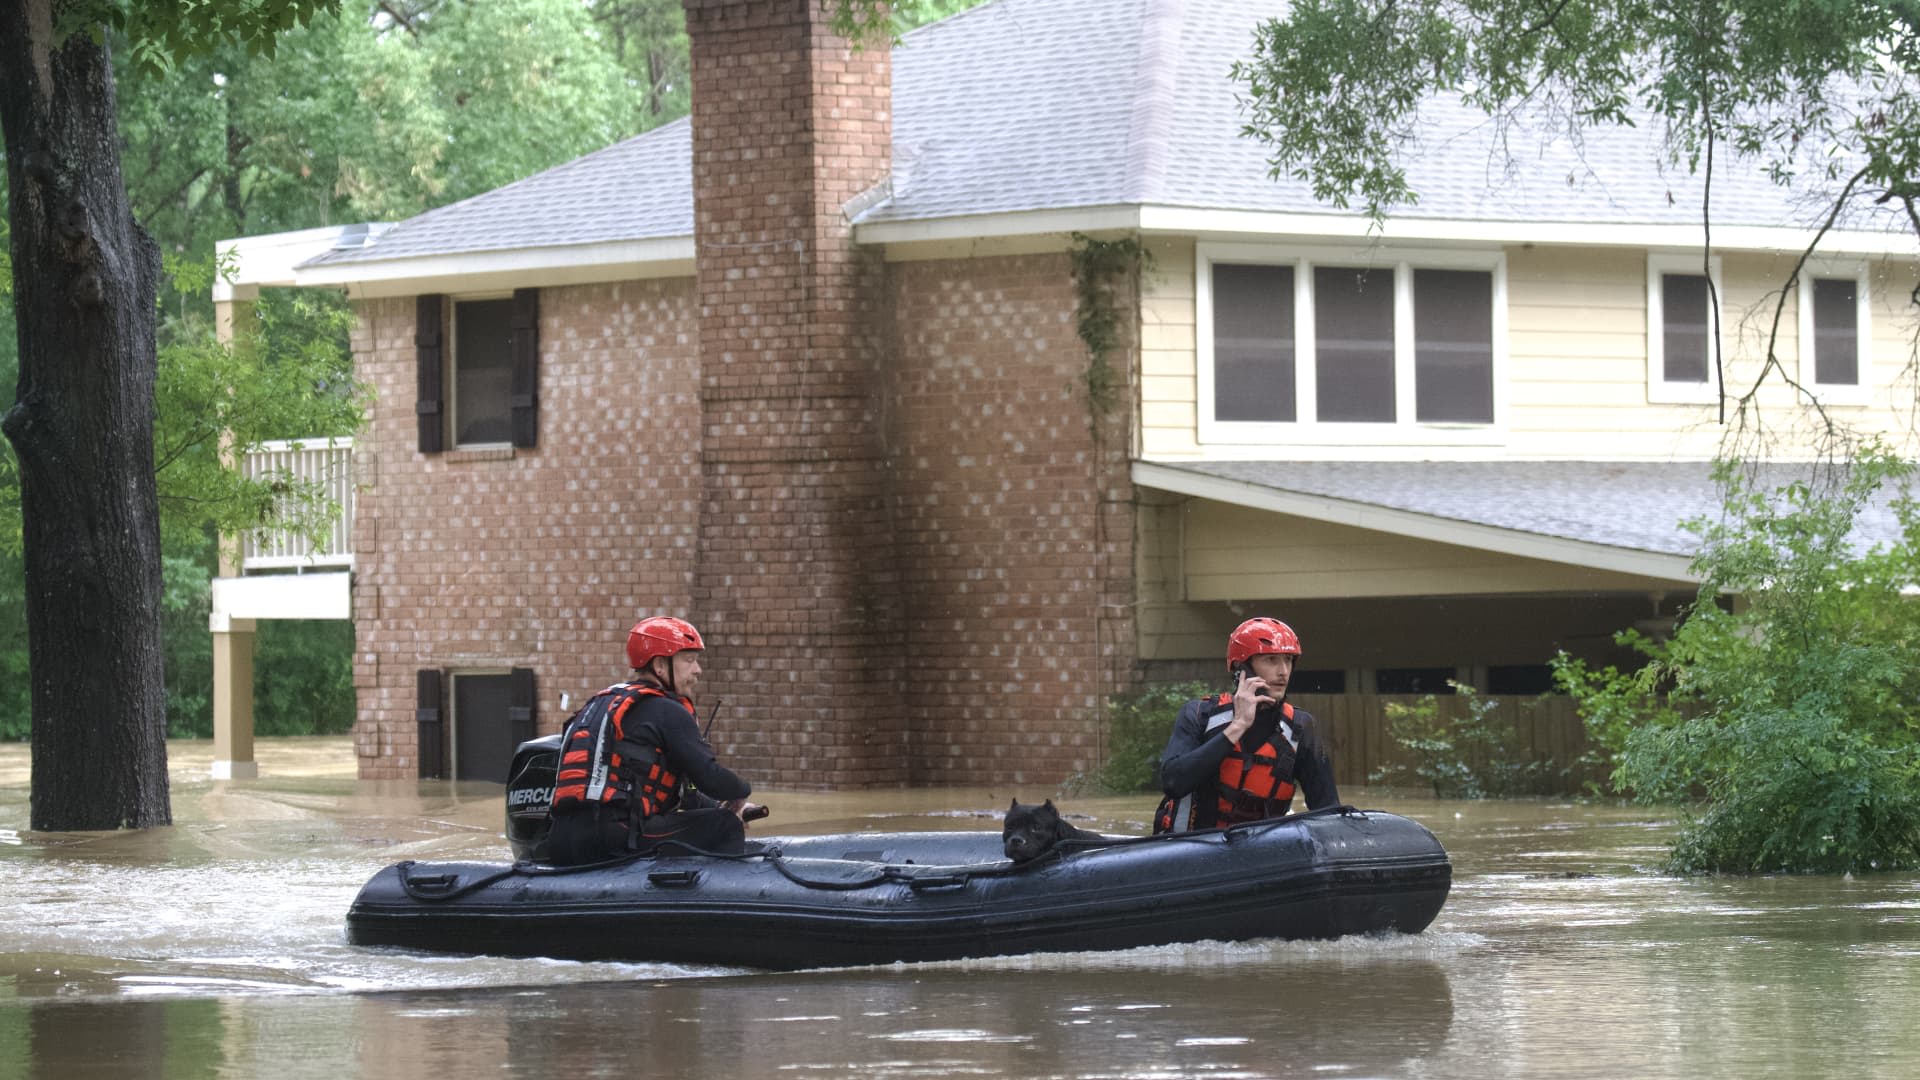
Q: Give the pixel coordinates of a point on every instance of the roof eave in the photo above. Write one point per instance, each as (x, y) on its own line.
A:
(574, 264)
(1580, 553)
(1204, 222)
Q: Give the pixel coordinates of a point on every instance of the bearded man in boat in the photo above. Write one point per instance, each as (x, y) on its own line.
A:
(1240, 757)
(635, 772)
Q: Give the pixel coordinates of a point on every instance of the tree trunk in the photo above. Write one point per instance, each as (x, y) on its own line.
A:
(84, 276)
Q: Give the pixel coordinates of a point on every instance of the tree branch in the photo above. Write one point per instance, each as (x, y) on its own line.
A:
(1546, 21)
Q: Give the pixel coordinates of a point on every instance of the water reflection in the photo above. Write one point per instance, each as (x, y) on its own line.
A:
(216, 948)
(1226, 1014)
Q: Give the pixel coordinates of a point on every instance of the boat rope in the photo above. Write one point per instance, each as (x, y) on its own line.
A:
(438, 888)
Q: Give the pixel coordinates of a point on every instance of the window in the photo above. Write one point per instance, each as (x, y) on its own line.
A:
(1528, 679)
(1453, 346)
(1323, 681)
(1681, 328)
(1353, 343)
(1414, 680)
(1835, 332)
(478, 367)
(1253, 343)
(1349, 347)
(482, 372)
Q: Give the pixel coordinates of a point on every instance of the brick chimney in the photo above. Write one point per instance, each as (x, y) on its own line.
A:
(796, 584)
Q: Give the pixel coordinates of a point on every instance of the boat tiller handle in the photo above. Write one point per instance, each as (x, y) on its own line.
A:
(671, 879)
(937, 881)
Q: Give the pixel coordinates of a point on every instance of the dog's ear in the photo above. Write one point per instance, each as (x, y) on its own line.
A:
(1050, 804)
(1015, 806)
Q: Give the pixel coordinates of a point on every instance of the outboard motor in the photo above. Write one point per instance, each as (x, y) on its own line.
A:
(530, 796)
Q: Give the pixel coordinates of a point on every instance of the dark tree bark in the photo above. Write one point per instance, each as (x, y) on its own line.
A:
(84, 277)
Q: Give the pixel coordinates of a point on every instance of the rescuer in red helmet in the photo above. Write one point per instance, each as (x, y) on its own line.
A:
(632, 758)
(1240, 756)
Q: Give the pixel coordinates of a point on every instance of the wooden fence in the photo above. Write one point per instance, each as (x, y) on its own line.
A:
(1356, 727)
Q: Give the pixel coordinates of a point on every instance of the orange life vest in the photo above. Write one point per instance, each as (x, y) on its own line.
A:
(600, 765)
(1253, 783)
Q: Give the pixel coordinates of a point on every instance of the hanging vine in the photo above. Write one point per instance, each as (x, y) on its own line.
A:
(1105, 273)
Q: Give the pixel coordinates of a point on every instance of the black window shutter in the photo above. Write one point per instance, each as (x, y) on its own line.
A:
(520, 712)
(428, 345)
(431, 715)
(526, 366)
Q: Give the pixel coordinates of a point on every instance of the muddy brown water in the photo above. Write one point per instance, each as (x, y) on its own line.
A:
(216, 948)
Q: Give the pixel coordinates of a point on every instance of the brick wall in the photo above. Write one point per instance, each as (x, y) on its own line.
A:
(874, 488)
(1015, 528)
(794, 586)
(535, 557)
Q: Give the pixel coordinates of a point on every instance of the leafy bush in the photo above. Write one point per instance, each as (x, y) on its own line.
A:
(1791, 720)
(1473, 756)
(1138, 725)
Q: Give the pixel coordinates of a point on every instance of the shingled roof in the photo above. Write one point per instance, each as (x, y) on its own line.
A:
(1033, 105)
(1584, 508)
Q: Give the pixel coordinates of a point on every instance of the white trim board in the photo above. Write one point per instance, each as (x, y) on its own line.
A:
(280, 596)
(1258, 224)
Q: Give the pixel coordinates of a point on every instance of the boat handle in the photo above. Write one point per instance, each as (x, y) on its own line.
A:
(673, 878)
(937, 881)
(431, 884)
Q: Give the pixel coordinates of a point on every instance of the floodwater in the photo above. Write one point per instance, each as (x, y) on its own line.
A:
(216, 948)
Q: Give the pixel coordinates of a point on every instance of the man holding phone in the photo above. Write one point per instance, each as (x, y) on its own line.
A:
(1239, 757)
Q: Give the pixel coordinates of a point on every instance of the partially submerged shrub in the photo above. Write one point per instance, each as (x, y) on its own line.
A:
(1788, 724)
(1138, 725)
(1472, 756)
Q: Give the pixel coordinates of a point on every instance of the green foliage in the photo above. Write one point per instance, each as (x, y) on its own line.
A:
(1138, 725)
(1101, 269)
(163, 32)
(871, 21)
(522, 85)
(186, 647)
(1795, 715)
(302, 670)
(1472, 756)
(215, 403)
(1818, 86)
(241, 117)
(303, 677)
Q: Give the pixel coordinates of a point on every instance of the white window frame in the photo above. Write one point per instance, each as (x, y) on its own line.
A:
(1856, 393)
(451, 391)
(1305, 427)
(1659, 390)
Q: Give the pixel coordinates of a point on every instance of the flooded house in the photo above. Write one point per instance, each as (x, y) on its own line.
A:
(807, 369)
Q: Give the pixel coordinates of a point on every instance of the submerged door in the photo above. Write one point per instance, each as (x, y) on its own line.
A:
(492, 714)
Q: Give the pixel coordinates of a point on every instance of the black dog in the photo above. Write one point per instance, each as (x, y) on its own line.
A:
(1031, 831)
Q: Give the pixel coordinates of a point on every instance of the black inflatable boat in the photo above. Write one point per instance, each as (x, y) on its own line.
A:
(876, 898)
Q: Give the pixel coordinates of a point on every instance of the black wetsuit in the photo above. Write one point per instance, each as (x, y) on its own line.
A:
(695, 819)
(1190, 764)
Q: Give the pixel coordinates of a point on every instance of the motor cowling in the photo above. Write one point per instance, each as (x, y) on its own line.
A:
(530, 796)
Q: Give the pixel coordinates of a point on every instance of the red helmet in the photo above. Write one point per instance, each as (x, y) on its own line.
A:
(660, 635)
(1257, 637)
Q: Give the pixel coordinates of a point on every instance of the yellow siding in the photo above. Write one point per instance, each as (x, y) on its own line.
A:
(1232, 552)
(1576, 374)
(1168, 400)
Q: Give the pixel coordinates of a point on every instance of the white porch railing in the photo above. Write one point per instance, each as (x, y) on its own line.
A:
(326, 461)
